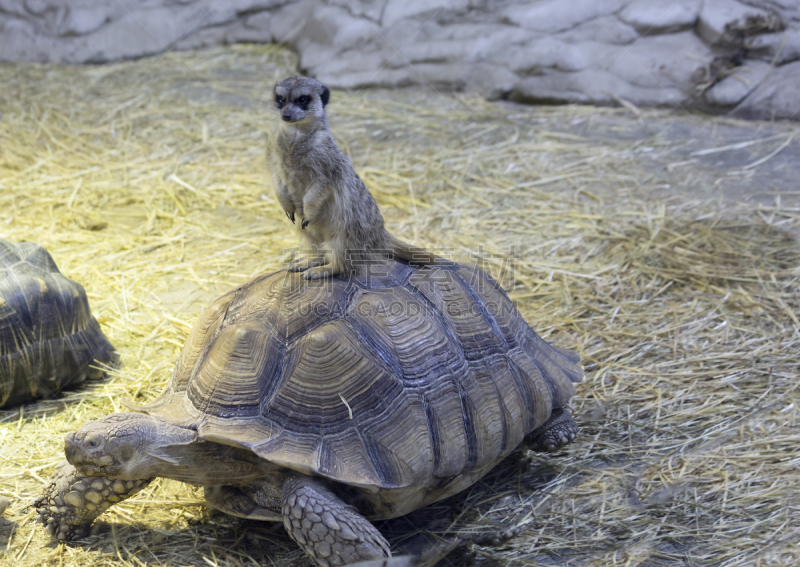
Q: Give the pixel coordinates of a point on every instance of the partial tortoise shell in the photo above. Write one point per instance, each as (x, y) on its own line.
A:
(407, 385)
(48, 337)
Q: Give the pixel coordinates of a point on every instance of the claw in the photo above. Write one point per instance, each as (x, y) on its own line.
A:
(305, 224)
(291, 216)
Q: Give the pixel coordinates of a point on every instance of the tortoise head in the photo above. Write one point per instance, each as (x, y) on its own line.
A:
(115, 446)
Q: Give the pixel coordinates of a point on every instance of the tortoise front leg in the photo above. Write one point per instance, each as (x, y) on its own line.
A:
(71, 502)
(328, 530)
(555, 433)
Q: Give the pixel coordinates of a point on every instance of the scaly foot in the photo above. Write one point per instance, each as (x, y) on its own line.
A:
(329, 531)
(71, 502)
(556, 432)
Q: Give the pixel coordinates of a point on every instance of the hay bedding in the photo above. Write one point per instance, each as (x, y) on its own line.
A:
(147, 182)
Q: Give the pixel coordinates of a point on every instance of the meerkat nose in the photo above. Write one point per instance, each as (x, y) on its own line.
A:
(286, 118)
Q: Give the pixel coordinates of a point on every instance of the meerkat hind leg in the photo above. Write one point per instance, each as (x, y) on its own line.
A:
(237, 502)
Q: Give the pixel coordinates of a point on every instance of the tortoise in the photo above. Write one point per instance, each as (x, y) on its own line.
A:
(326, 404)
(48, 337)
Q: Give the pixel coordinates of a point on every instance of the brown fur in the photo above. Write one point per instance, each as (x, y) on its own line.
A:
(316, 185)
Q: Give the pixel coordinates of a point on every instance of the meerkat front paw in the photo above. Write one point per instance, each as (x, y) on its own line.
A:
(320, 272)
(303, 264)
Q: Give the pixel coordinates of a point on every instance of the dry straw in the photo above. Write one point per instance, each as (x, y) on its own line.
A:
(147, 182)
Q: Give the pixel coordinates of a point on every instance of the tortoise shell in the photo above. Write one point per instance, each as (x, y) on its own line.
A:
(48, 337)
(407, 385)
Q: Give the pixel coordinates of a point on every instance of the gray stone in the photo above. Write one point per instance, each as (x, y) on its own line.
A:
(359, 77)
(362, 8)
(788, 9)
(778, 48)
(591, 86)
(550, 53)
(396, 10)
(778, 96)
(407, 31)
(504, 37)
(716, 15)
(147, 33)
(333, 72)
(234, 32)
(650, 17)
(287, 25)
(36, 6)
(742, 81)
(18, 41)
(605, 29)
(551, 16)
(334, 27)
(441, 51)
(81, 21)
(555, 50)
(645, 64)
(642, 74)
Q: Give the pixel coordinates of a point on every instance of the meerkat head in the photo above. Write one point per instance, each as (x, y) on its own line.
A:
(301, 101)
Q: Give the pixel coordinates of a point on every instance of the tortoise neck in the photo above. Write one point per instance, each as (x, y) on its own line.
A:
(177, 453)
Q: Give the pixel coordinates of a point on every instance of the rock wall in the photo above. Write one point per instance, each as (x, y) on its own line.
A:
(734, 56)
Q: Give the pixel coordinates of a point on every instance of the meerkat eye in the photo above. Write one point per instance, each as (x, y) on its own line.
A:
(304, 100)
(279, 100)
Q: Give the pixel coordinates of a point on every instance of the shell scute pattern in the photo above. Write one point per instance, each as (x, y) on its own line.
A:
(331, 375)
(290, 306)
(549, 361)
(48, 337)
(199, 341)
(463, 314)
(397, 325)
(496, 305)
(410, 377)
(172, 404)
(230, 381)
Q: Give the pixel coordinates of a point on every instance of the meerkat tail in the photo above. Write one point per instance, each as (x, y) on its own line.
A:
(413, 254)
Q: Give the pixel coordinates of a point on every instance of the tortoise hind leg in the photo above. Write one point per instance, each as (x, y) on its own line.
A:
(242, 502)
(328, 530)
(71, 502)
(555, 433)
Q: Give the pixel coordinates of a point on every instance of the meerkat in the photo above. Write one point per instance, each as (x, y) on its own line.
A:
(320, 191)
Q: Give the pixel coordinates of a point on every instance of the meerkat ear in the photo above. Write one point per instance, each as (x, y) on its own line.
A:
(325, 96)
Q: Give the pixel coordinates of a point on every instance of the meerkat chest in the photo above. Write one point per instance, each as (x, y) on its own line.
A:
(300, 168)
